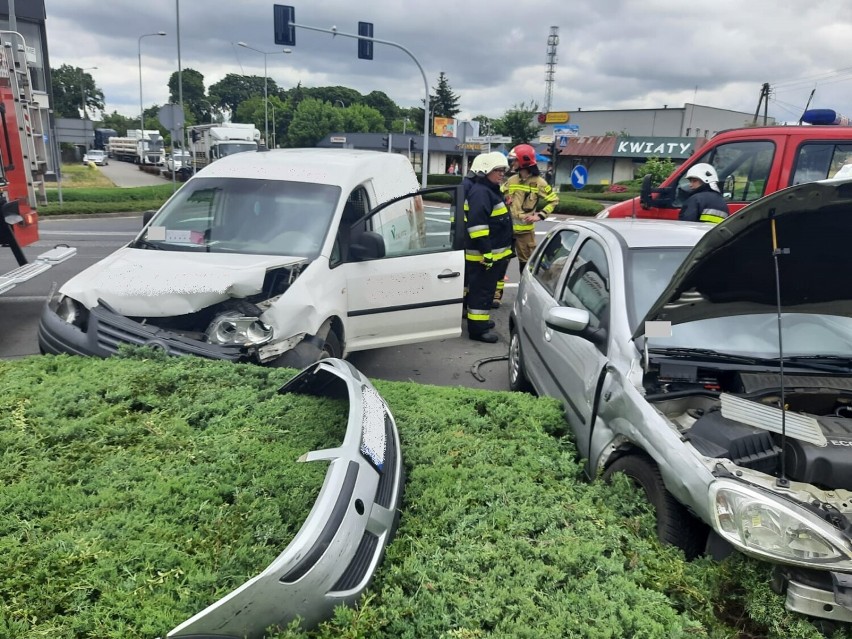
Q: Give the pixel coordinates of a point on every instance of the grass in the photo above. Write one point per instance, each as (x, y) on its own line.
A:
(136, 490)
(75, 176)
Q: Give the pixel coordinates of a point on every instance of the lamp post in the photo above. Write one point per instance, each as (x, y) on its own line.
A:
(83, 104)
(265, 83)
(141, 107)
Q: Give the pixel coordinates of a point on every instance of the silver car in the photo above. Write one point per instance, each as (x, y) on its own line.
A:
(662, 340)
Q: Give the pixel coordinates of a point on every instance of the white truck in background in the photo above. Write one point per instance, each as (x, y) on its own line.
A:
(209, 142)
(139, 147)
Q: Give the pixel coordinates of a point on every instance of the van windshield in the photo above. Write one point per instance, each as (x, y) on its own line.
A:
(240, 215)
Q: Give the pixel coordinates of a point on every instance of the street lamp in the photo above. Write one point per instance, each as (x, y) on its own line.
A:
(342, 104)
(142, 108)
(83, 90)
(265, 89)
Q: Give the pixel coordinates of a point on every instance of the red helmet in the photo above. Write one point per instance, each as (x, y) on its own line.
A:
(525, 156)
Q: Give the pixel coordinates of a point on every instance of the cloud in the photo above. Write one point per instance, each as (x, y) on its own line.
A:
(611, 54)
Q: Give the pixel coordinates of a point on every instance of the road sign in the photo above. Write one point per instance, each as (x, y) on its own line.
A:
(170, 116)
(579, 176)
(490, 139)
(500, 139)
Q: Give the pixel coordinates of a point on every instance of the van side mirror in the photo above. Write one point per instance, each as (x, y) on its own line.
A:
(368, 245)
(146, 216)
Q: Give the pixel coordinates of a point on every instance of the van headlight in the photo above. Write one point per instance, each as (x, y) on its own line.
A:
(72, 312)
(761, 525)
(235, 329)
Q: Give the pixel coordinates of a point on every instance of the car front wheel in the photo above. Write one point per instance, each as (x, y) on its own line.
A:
(517, 375)
(675, 525)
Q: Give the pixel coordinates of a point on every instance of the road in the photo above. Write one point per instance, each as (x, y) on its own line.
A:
(451, 362)
(126, 174)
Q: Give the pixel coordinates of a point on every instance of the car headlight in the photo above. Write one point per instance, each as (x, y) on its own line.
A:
(232, 328)
(763, 526)
(72, 312)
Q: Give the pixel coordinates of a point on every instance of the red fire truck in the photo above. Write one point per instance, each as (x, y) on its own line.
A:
(23, 164)
(753, 162)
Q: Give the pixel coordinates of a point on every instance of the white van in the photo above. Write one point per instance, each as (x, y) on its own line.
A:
(279, 257)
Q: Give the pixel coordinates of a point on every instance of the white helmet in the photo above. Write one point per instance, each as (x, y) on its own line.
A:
(704, 172)
(476, 165)
(484, 163)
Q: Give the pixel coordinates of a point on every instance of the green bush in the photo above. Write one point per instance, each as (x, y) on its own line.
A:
(131, 486)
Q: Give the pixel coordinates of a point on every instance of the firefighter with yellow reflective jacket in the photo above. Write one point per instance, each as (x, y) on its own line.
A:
(488, 244)
(530, 199)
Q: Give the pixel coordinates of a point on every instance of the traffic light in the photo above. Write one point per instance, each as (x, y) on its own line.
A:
(412, 145)
(385, 143)
(365, 47)
(283, 18)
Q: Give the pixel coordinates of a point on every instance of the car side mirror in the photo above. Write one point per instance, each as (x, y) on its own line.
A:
(368, 245)
(574, 321)
(645, 192)
(146, 216)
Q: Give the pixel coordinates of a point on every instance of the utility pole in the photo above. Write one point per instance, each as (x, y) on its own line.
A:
(764, 99)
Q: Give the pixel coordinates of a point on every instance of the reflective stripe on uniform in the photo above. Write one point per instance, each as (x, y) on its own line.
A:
(523, 227)
(499, 209)
(479, 314)
(478, 231)
(712, 216)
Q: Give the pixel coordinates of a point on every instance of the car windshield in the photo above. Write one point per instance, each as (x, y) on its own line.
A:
(803, 335)
(649, 271)
(239, 215)
(96, 154)
(236, 147)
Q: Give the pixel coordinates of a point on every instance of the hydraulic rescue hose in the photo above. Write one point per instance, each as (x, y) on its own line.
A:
(474, 370)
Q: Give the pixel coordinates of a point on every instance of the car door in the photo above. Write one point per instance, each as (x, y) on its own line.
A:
(403, 264)
(576, 365)
(537, 296)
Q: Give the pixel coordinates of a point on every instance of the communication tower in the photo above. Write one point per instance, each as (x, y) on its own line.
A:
(550, 67)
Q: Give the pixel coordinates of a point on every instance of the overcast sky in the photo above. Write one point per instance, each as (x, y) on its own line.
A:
(612, 54)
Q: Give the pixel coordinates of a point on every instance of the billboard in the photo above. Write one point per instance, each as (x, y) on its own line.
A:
(444, 127)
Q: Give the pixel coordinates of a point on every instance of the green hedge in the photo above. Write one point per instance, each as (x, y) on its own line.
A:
(137, 490)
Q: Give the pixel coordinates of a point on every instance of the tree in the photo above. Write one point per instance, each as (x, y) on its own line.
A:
(119, 123)
(233, 89)
(360, 118)
(335, 95)
(658, 168)
(486, 124)
(194, 98)
(520, 123)
(384, 105)
(70, 85)
(445, 103)
(312, 121)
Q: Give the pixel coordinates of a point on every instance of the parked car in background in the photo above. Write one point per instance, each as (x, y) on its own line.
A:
(661, 338)
(95, 156)
(278, 258)
(176, 160)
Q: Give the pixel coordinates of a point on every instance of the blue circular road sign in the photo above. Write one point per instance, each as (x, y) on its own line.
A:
(579, 176)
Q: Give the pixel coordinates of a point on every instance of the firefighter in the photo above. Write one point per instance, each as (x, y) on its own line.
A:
(706, 203)
(530, 199)
(488, 244)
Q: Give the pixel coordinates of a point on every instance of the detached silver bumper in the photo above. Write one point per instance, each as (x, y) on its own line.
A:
(334, 555)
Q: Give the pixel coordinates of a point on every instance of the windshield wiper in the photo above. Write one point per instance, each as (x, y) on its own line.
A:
(827, 363)
(832, 363)
(706, 354)
(147, 244)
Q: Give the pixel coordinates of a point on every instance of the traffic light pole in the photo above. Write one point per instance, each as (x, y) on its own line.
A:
(333, 31)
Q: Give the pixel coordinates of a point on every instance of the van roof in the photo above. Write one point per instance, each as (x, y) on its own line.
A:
(343, 167)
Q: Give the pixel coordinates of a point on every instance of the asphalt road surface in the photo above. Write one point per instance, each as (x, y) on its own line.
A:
(451, 362)
(127, 174)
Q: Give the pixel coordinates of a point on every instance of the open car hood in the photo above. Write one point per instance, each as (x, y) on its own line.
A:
(150, 283)
(731, 270)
